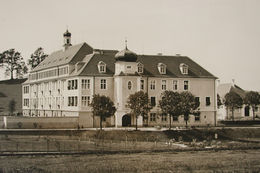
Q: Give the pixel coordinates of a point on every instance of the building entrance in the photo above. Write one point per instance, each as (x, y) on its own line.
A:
(126, 120)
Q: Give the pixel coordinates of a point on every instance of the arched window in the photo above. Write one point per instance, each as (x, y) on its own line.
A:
(140, 68)
(101, 67)
(129, 85)
(162, 68)
(184, 68)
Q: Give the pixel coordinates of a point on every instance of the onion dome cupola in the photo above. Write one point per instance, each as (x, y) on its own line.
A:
(67, 39)
(126, 55)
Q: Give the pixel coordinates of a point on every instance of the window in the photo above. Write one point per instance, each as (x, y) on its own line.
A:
(103, 84)
(72, 101)
(184, 68)
(142, 84)
(162, 68)
(197, 101)
(129, 85)
(72, 84)
(207, 101)
(164, 117)
(175, 85)
(85, 83)
(163, 84)
(152, 116)
(26, 89)
(153, 85)
(101, 67)
(175, 118)
(128, 67)
(153, 101)
(186, 85)
(140, 68)
(26, 102)
(197, 116)
(85, 101)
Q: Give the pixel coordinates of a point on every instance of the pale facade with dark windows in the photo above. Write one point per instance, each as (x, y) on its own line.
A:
(64, 83)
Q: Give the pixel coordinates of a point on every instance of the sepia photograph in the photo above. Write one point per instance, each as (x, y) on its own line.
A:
(129, 86)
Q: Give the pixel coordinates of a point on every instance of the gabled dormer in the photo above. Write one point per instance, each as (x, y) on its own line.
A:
(162, 68)
(101, 67)
(140, 68)
(184, 68)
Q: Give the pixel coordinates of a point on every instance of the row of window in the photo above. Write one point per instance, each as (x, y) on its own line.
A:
(49, 73)
(197, 100)
(164, 117)
(85, 84)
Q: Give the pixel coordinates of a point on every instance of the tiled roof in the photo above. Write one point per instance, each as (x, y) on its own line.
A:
(150, 63)
(72, 54)
(223, 89)
(13, 81)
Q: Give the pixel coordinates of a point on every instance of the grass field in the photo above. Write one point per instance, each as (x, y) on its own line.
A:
(202, 161)
(235, 150)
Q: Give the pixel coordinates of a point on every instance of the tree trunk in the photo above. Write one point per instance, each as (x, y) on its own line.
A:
(233, 118)
(12, 74)
(100, 123)
(253, 113)
(136, 122)
(186, 121)
(170, 122)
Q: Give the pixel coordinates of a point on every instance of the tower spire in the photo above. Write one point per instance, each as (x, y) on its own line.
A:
(125, 43)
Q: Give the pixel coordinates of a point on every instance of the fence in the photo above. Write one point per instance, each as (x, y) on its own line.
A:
(14, 143)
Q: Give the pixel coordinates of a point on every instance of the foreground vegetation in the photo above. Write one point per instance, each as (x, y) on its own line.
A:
(203, 161)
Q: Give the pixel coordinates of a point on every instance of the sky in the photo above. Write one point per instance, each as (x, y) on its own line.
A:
(223, 36)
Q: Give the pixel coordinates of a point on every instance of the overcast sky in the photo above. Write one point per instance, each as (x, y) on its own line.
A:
(223, 36)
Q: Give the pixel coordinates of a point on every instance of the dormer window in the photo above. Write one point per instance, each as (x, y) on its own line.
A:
(184, 68)
(101, 67)
(162, 68)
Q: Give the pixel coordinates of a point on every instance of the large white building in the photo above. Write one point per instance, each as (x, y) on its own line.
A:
(64, 83)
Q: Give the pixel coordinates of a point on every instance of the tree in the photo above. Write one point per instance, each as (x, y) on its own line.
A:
(12, 61)
(103, 107)
(219, 102)
(169, 104)
(233, 101)
(37, 57)
(11, 106)
(252, 98)
(139, 105)
(188, 105)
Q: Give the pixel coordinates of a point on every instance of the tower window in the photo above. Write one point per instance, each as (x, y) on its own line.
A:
(140, 68)
(129, 85)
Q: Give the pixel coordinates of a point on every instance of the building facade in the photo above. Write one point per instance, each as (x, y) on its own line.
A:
(64, 83)
(243, 113)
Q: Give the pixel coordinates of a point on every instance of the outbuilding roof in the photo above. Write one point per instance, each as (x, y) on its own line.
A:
(225, 88)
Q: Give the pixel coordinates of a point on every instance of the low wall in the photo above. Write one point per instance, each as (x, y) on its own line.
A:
(41, 122)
